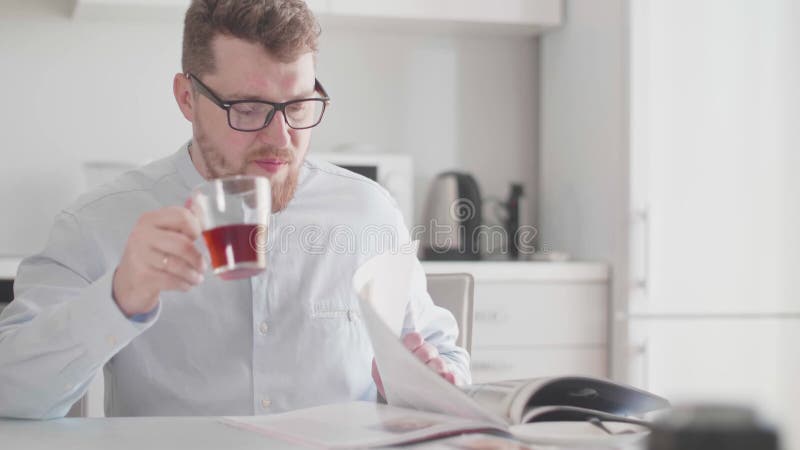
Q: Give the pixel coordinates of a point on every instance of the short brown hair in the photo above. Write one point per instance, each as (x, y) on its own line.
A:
(285, 28)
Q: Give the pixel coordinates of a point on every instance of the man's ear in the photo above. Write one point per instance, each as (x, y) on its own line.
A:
(182, 88)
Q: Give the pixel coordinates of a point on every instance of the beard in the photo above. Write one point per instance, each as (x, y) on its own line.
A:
(218, 166)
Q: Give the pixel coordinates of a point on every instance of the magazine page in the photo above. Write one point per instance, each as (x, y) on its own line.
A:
(587, 393)
(519, 403)
(497, 396)
(388, 277)
(577, 414)
(354, 425)
(582, 434)
(478, 441)
(406, 380)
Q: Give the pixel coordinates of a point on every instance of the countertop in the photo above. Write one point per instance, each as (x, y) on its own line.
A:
(497, 271)
(8, 266)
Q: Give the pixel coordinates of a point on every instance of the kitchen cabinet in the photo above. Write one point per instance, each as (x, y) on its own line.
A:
(526, 17)
(671, 155)
(536, 318)
(516, 363)
(505, 16)
(715, 358)
(714, 207)
(8, 267)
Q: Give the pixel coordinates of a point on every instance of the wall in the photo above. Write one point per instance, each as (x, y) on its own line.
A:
(101, 90)
(583, 159)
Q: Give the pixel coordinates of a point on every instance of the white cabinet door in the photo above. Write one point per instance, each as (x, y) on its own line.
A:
(159, 9)
(509, 364)
(714, 158)
(715, 359)
(530, 314)
(533, 12)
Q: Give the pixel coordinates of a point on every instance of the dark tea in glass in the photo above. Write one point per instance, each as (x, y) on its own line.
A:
(233, 213)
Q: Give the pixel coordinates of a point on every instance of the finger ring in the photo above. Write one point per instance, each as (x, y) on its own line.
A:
(165, 261)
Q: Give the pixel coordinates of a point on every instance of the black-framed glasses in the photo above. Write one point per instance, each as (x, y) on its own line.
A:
(254, 115)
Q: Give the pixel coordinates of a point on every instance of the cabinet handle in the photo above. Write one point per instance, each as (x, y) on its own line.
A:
(487, 365)
(490, 316)
(640, 355)
(641, 280)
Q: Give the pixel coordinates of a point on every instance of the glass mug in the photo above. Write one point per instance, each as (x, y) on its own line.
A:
(234, 215)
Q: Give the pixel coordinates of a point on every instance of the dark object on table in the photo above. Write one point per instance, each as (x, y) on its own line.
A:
(712, 427)
(6, 292)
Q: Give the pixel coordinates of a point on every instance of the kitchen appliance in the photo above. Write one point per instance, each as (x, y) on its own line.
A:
(395, 172)
(453, 219)
(512, 221)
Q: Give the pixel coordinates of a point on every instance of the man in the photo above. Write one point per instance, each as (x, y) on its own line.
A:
(120, 283)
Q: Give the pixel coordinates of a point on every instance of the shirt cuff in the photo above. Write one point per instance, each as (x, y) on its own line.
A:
(459, 367)
(145, 317)
(100, 324)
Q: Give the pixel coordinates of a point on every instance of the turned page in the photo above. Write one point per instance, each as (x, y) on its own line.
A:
(383, 285)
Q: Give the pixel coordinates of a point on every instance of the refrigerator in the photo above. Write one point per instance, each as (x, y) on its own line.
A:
(713, 310)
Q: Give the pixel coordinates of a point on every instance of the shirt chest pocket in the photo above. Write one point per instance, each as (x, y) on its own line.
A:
(333, 303)
(323, 312)
(336, 315)
(334, 308)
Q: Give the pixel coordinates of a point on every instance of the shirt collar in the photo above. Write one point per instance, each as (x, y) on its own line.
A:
(188, 172)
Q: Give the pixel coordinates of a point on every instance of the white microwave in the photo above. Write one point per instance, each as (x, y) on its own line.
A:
(395, 172)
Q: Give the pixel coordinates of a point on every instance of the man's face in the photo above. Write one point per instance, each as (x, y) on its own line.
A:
(245, 71)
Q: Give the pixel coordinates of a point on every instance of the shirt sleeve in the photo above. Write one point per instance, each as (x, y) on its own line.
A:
(437, 326)
(62, 325)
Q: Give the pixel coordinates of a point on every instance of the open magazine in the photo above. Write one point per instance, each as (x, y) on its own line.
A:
(382, 284)
(565, 398)
(358, 425)
(422, 405)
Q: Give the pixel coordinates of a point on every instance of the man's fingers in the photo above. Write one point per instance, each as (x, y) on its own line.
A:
(176, 267)
(426, 352)
(438, 365)
(177, 218)
(413, 341)
(376, 377)
(168, 282)
(176, 245)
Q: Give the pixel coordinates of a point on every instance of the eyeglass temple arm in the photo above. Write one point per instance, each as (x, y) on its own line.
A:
(218, 101)
(318, 87)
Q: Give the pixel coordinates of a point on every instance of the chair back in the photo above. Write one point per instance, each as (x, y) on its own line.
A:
(455, 293)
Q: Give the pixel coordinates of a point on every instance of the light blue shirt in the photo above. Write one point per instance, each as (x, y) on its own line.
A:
(289, 338)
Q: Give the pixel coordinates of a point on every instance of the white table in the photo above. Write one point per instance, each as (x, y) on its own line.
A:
(136, 433)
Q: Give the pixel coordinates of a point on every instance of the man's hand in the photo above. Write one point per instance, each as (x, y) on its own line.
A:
(426, 353)
(160, 255)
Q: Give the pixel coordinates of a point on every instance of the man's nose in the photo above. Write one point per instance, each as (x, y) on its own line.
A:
(277, 132)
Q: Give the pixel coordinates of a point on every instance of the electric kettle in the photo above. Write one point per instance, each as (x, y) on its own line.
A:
(452, 219)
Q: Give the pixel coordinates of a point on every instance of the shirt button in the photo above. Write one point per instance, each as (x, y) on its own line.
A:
(352, 315)
(263, 328)
(265, 403)
(112, 340)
